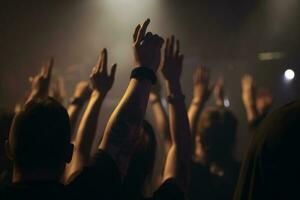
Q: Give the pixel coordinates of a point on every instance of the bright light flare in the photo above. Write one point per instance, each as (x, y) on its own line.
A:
(289, 74)
(226, 102)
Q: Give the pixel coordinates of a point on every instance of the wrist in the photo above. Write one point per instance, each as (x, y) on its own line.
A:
(143, 73)
(97, 94)
(219, 102)
(173, 87)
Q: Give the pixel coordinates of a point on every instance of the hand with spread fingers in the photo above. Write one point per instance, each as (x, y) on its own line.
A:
(146, 47)
(172, 62)
(41, 82)
(100, 79)
(202, 89)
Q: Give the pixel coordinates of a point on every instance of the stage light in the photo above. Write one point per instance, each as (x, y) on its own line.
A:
(289, 74)
(226, 102)
(267, 56)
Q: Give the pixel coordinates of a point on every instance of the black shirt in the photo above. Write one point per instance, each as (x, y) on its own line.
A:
(169, 190)
(101, 180)
(206, 186)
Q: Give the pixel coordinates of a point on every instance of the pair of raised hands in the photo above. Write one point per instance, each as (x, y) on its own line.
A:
(147, 52)
(202, 89)
(253, 99)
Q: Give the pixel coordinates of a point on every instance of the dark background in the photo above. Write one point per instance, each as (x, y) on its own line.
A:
(225, 35)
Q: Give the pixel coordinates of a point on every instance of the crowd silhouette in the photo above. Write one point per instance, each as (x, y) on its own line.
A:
(187, 153)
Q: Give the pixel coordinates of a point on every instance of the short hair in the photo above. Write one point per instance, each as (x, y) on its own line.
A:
(217, 129)
(40, 135)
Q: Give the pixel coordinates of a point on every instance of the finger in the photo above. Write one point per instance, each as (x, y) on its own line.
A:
(177, 49)
(142, 31)
(104, 66)
(99, 63)
(136, 31)
(197, 75)
(172, 45)
(181, 58)
(148, 36)
(113, 70)
(49, 68)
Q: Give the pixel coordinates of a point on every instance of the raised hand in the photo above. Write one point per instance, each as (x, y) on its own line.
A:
(40, 82)
(219, 92)
(202, 90)
(179, 155)
(248, 97)
(82, 90)
(101, 81)
(248, 91)
(172, 62)
(146, 47)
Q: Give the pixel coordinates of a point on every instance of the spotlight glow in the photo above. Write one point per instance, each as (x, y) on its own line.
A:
(289, 74)
(226, 102)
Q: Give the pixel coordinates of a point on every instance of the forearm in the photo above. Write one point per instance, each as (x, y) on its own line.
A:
(161, 121)
(74, 112)
(251, 114)
(194, 112)
(85, 135)
(180, 151)
(124, 123)
(88, 125)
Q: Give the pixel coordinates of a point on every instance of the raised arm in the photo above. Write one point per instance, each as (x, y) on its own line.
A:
(201, 93)
(81, 95)
(248, 97)
(126, 119)
(179, 156)
(40, 83)
(219, 92)
(101, 84)
(160, 115)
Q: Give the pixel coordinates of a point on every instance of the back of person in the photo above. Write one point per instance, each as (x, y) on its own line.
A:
(205, 185)
(214, 173)
(39, 146)
(271, 168)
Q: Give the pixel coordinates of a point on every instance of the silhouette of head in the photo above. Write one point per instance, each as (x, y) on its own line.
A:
(217, 132)
(39, 140)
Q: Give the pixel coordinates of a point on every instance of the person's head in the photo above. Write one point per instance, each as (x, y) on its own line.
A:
(6, 118)
(39, 139)
(142, 161)
(271, 167)
(217, 133)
